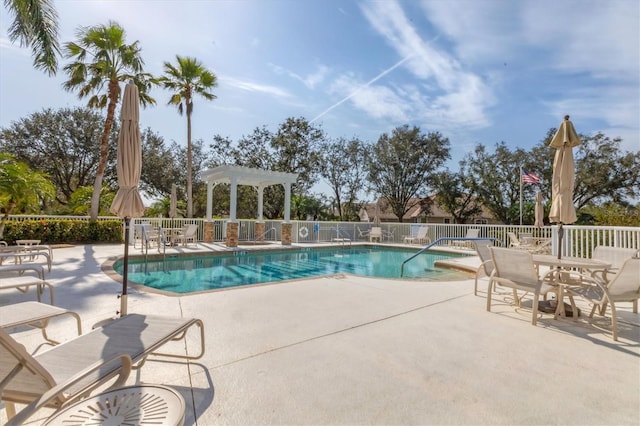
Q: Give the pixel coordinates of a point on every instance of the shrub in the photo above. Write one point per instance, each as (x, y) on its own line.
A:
(61, 231)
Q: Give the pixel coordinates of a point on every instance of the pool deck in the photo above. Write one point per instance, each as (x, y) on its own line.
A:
(344, 350)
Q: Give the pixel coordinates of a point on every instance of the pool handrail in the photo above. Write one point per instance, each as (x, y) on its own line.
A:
(427, 247)
(264, 234)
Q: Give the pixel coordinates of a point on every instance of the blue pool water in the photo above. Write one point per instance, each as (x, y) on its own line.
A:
(193, 274)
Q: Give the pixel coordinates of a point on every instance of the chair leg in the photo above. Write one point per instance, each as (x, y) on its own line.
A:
(489, 295)
(614, 322)
(534, 308)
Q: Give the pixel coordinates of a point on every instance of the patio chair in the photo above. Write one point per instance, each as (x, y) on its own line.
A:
(616, 256)
(543, 247)
(13, 276)
(623, 287)
(515, 242)
(187, 234)
(482, 248)
(471, 233)
(22, 254)
(362, 234)
(420, 237)
(515, 269)
(132, 338)
(375, 234)
(36, 315)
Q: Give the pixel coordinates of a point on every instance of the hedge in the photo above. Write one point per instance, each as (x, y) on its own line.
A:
(61, 231)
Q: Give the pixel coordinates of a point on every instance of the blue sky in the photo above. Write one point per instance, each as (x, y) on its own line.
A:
(480, 71)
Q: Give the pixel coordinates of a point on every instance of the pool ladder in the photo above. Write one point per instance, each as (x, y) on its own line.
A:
(162, 242)
(436, 242)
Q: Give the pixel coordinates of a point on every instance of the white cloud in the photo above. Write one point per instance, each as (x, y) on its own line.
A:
(451, 94)
(310, 80)
(254, 87)
(377, 101)
(601, 38)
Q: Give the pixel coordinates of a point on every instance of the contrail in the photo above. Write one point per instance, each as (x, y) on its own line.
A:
(367, 84)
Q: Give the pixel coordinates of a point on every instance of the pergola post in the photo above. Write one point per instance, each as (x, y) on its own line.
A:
(210, 186)
(287, 202)
(260, 189)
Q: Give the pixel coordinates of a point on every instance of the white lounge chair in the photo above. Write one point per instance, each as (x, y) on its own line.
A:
(515, 269)
(420, 237)
(188, 233)
(25, 378)
(13, 276)
(623, 287)
(34, 314)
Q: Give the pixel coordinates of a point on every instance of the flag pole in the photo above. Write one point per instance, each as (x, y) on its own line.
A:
(520, 178)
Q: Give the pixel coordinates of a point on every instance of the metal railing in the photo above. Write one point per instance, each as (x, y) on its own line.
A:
(435, 243)
(578, 240)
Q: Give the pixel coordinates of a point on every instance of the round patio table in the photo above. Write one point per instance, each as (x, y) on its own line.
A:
(131, 405)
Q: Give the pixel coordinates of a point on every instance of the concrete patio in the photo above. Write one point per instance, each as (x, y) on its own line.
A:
(350, 350)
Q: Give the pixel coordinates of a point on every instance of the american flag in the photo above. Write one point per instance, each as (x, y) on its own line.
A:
(528, 177)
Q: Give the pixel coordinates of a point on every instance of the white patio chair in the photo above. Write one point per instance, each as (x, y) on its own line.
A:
(482, 248)
(623, 287)
(616, 256)
(471, 233)
(187, 234)
(515, 269)
(375, 234)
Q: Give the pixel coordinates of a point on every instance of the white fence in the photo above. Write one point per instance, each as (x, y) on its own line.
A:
(577, 241)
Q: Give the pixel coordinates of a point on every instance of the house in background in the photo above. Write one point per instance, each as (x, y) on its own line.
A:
(422, 211)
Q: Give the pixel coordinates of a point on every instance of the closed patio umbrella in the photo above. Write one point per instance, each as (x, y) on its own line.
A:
(562, 209)
(127, 202)
(539, 211)
(173, 202)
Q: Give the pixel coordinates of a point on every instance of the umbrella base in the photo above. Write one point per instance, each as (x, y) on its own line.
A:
(550, 306)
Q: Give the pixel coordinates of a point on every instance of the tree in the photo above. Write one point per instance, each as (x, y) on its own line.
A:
(343, 167)
(186, 79)
(160, 165)
(35, 25)
(495, 178)
(294, 148)
(612, 214)
(21, 188)
(101, 57)
(455, 196)
(402, 165)
(64, 144)
(603, 171)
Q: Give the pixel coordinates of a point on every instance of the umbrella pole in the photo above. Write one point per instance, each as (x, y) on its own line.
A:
(560, 236)
(125, 268)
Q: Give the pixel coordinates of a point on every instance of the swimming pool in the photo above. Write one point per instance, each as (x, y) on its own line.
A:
(200, 273)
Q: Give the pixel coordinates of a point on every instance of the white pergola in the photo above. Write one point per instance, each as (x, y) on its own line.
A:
(259, 179)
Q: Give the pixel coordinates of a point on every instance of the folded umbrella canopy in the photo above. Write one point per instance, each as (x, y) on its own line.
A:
(562, 208)
(127, 202)
(539, 211)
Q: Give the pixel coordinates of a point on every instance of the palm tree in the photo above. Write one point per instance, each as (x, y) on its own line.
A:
(100, 56)
(186, 79)
(21, 187)
(35, 25)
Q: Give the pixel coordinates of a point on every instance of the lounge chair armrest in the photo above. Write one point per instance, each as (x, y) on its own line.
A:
(123, 370)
